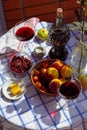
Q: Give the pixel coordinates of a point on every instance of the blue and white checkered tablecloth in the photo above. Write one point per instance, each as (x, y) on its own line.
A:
(35, 111)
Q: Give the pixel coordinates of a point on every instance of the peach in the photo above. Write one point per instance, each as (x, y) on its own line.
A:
(66, 71)
(54, 85)
(52, 73)
(57, 64)
(62, 80)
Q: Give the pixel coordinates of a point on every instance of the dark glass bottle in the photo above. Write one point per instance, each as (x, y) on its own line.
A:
(59, 35)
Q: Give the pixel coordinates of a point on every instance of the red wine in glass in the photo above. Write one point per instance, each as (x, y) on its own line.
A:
(70, 90)
(24, 33)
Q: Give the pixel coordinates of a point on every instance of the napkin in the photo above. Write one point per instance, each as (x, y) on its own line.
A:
(32, 22)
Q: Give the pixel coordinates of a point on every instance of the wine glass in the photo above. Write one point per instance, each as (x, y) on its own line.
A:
(23, 31)
(70, 90)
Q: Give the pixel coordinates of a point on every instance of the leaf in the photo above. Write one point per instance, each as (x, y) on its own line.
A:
(76, 23)
(85, 26)
(75, 28)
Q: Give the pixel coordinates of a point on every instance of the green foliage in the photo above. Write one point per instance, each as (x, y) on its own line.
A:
(78, 26)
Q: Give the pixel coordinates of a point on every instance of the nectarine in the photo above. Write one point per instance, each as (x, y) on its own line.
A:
(66, 71)
(57, 64)
(62, 80)
(54, 84)
(52, 73)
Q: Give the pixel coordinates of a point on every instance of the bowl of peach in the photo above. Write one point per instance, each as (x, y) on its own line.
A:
(48, 74)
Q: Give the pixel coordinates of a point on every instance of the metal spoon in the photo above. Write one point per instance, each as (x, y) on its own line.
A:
(6, 54)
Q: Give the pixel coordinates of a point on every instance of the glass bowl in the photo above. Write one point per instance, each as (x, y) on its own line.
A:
(20, 63)
(22, 31)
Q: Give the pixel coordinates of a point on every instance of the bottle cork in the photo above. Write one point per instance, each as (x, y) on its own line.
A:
(59, 12)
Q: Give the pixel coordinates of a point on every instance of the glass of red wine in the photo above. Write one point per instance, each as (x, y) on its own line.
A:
(70, 90)
(23, 32)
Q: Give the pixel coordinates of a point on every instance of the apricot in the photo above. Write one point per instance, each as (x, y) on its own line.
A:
(43, 70)
(52, 73)
(36, 72)
(45, 64)
(66, 71)
(43, 89)
(35, 78)
(57, 64)
(38, 84)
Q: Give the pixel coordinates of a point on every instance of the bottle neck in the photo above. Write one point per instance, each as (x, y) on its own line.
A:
(59, 21)
(59, 17)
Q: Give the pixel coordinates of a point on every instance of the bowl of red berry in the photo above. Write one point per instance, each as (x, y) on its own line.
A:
(20, 63)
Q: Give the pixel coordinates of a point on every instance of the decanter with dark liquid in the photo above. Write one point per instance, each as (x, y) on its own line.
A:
(59, 35)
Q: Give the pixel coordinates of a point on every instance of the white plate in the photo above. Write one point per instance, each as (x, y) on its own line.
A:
(6, 90)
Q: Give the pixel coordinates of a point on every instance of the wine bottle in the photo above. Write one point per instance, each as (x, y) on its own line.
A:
(59, 35)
